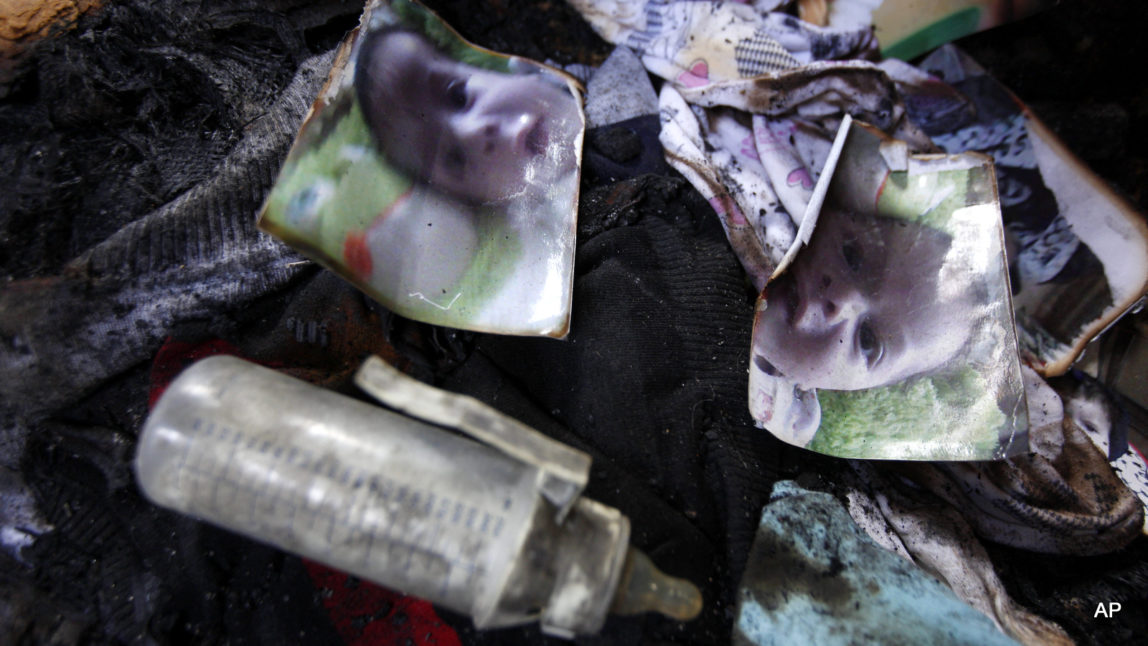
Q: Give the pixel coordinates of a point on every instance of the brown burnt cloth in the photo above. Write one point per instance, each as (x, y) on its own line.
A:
(24, 23)
(1063, 499)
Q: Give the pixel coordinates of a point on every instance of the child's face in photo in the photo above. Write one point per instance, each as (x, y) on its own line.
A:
(473, 133)
(861, 307)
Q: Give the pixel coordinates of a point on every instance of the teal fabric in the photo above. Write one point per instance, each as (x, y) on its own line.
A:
(814, 577)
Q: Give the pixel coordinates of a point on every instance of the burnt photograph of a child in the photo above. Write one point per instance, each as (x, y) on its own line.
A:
(478, 135)
(1078, 254)
(890, 335)
(440, 178)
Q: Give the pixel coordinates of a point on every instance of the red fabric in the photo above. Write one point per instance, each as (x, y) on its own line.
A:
(365, 614)
(174, 356)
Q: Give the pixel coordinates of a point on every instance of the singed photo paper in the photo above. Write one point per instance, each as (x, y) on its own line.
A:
(1078, 253)
(440, 178)
(890, 335)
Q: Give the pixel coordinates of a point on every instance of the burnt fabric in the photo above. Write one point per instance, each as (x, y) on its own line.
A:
(141, 145)
(799, 586)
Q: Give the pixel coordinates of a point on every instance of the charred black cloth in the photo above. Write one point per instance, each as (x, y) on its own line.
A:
(652, 382)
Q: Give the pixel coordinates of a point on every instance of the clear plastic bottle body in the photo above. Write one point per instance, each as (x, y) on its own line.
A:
(352, 485)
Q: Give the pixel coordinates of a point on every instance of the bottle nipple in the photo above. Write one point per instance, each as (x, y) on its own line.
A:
(643, 587)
